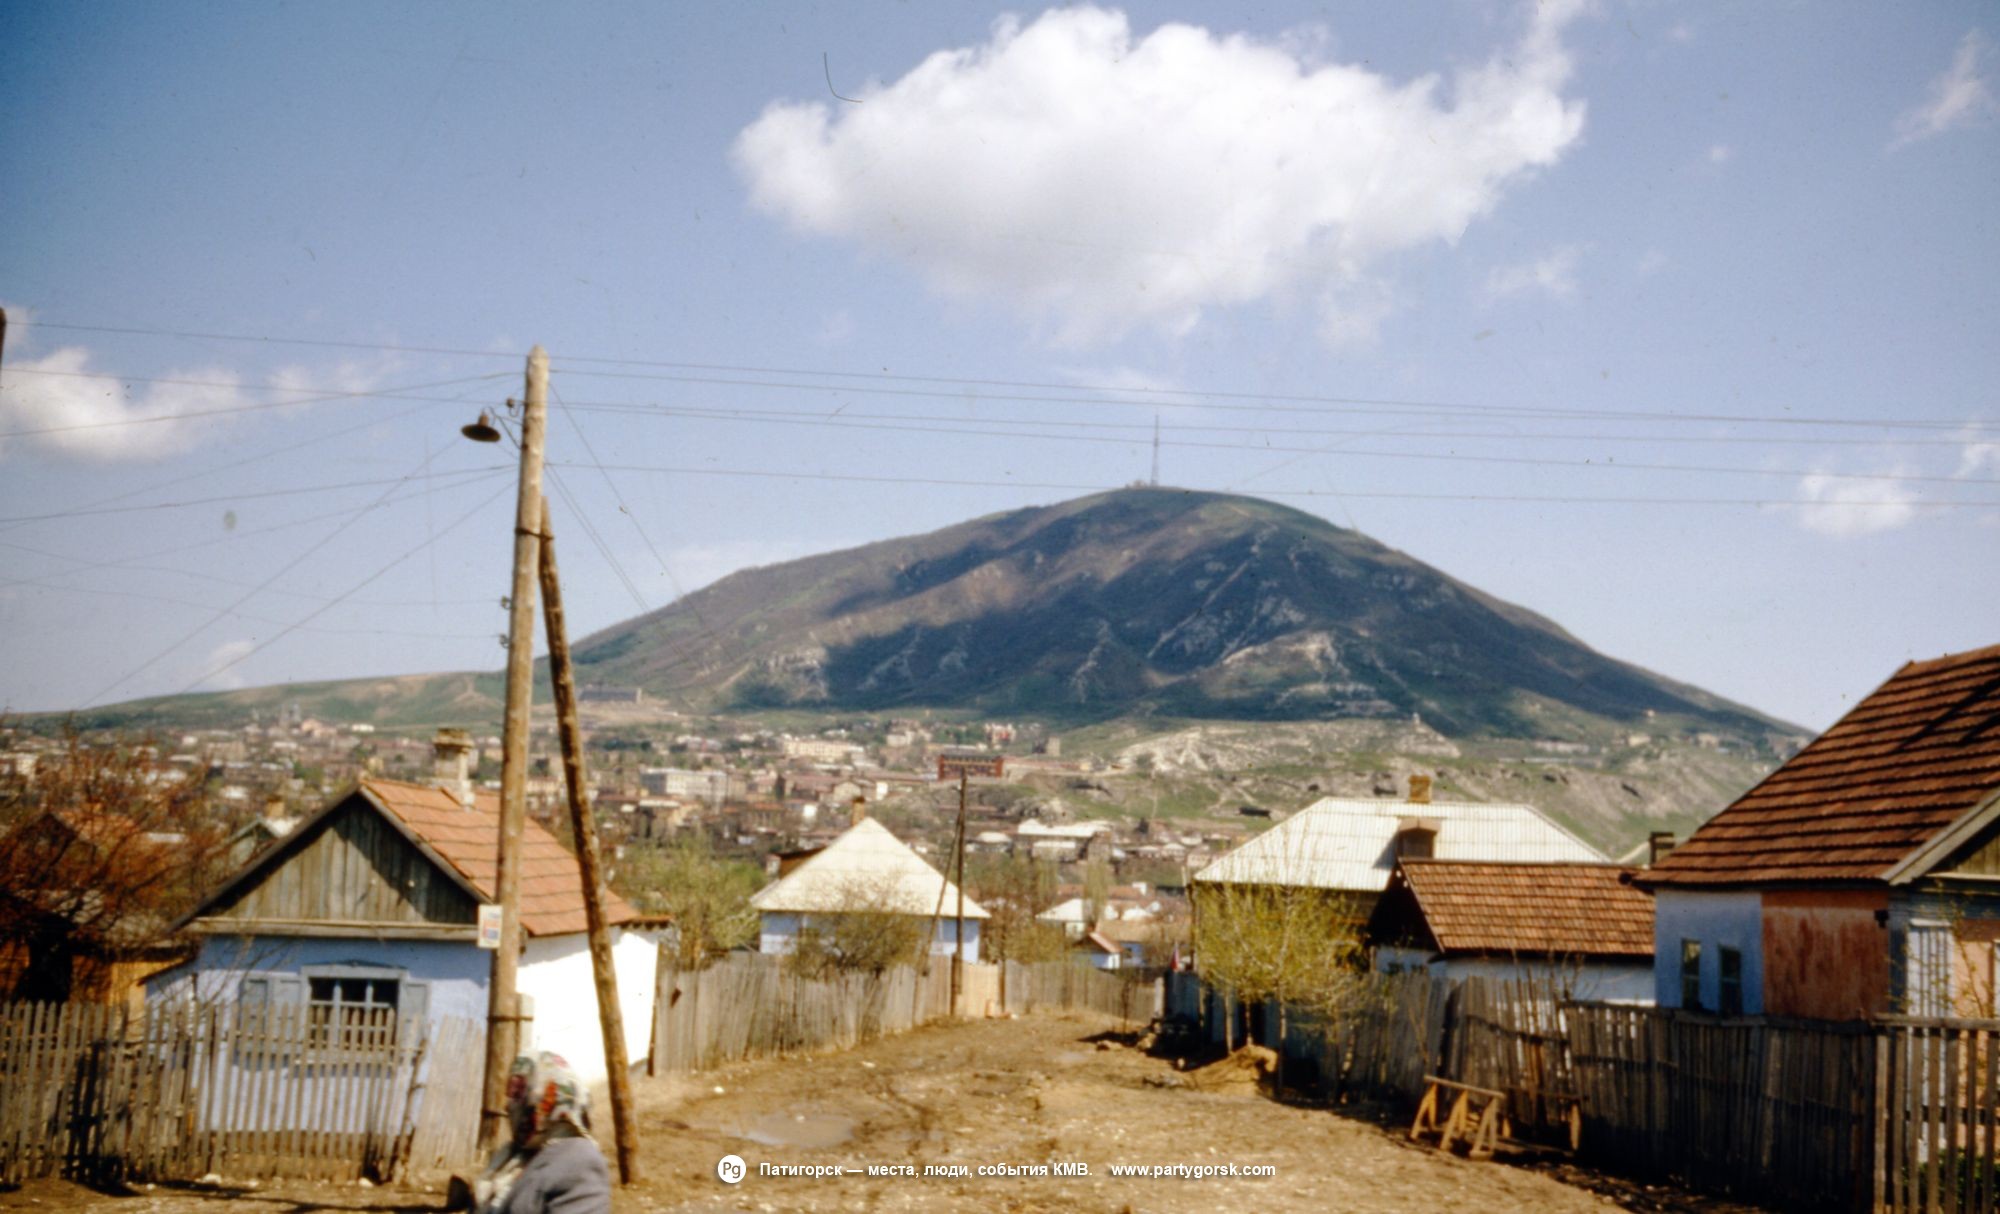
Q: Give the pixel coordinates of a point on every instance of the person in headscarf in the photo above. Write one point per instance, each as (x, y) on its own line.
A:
(550, 1165)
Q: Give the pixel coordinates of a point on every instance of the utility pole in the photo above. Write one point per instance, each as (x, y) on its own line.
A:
(589, 864)
(503, 1004)
(958, 941)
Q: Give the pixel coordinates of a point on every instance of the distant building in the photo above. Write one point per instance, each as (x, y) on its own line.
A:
(1350, 845)
(822, 750)
(707, 785)
(865, 870)
(1582, 927)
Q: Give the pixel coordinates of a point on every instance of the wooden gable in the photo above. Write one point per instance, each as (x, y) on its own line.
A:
(1979, 859)
(350, 871)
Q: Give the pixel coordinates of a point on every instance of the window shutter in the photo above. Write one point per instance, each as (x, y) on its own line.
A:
(288, 990)
(413, 1005)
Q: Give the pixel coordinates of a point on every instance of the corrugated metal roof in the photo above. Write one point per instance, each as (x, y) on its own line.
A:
(1563, 910)
(1902, 766)
(1347, 843)
(866, 868)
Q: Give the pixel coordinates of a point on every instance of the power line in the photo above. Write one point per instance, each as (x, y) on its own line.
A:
(244, 615)
(1071, 487)
(256, 407)
(1145, 397)
(247, 595)
(469, 473)
(363, 584)
(243, 534)
(1454, 457)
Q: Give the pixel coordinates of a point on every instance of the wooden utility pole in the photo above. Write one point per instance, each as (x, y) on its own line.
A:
(503, 1004)
(589, 864)
(958, 942)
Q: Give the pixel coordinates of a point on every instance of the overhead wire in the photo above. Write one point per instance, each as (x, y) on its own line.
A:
(1070, 486)
(363, 584)
(295, 491)
(832, 422)
(300, 558)
(1147, 397)
(317, 397)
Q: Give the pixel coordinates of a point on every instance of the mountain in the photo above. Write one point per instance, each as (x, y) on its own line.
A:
(1143, 601)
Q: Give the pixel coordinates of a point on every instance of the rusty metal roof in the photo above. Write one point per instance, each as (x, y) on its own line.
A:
(1562, 910)
(1898, 771)
(468, 840)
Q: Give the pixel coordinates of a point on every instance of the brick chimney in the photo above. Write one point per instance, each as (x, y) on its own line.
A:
(1658, 844)
(274, 807)
(451, 764)
(1420, 790)
(857, 810)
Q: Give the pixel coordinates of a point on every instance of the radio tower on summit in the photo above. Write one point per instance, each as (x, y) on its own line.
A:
(1155, 482)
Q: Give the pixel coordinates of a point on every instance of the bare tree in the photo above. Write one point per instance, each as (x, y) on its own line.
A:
(870, 933)
(101, 849)
(707, 896)
(1014, 889)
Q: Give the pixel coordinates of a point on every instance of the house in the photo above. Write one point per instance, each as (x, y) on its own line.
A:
(1349, 845)
(1862, 876)
(1097, 951)
(373, 901)
(1583, 926)
(865, 870)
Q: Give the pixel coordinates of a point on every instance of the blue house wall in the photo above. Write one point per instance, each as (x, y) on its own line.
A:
(1716, 920)
(452, 973)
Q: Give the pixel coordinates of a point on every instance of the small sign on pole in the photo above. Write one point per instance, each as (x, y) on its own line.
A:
(489, 926)
(951, 767)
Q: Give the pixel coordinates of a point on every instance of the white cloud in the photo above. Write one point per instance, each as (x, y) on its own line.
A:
(63, 404)
(227, 655)
(57, 404)
(1720, 154)
(1980, 455)
(1959, 96)
(1651, 262)
(1845, 508)
(1099, 182)
(1553, 273)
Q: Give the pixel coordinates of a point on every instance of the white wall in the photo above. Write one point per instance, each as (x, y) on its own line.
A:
(556, 974)
(779, 934)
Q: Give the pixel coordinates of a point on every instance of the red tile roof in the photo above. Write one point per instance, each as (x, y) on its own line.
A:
(1565, 910)
(468, 840)
(1897, 770)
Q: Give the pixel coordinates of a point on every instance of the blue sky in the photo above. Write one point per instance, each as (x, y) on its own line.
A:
(1675, 323)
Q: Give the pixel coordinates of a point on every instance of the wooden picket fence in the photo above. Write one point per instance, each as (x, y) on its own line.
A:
(103, 1093)
(1898, 1115)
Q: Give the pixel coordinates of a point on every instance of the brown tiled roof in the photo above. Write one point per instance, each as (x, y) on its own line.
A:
(467, 839)
(1568, 910)
(1899, 768)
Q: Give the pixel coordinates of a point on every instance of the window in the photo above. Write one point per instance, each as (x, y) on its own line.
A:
(1927, 981)
(1691, 975)
(1730, 962)
(352, 1012)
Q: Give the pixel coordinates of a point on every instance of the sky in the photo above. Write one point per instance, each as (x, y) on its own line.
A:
(1675, 323)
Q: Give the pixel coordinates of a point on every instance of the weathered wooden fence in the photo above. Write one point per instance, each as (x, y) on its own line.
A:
(99, 1092)
(750, 1006)
(1131, 995)
(1898, 1115)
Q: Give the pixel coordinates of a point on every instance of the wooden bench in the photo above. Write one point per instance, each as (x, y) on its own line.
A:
(1478, 1115)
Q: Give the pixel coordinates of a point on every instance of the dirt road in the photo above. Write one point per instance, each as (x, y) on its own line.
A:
(1016, 1096)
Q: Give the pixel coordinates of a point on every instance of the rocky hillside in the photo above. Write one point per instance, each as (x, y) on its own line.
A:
(1154, 602)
